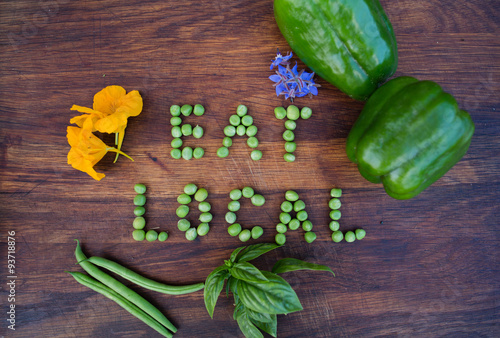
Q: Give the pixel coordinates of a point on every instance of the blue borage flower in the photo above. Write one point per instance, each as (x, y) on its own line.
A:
(290, 82)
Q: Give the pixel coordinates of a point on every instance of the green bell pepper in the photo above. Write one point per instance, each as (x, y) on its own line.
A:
(408, 135)
(349, 43)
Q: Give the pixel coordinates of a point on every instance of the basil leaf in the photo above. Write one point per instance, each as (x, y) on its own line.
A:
(254, 251)
(275, 296)
(236, 252)
(259, 316)
(239, 307)
(270, 327)
(246, 326)
(293, 264)
(246, 271)
(213, 287)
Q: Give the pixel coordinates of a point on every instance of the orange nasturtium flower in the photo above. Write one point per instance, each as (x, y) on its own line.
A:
(112, 107)
(87, 149)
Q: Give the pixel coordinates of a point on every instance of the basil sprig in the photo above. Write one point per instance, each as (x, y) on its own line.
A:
(259, 296)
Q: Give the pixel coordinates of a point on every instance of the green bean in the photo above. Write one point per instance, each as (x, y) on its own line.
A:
(281, 228)
(247, 192)
(175, 110)
(258, 200)
(288, 135)
(138, 235)
(253, 142)
(203, 229)
(234, 206)
(291, 196)
(280, 113)
(175, 121)
(337, 236)
(290, 125)
(335, 215)
(186, 110)
(251, 130)
(230, 217)
(334, 225)
(235, 194)
(198, 132)
(162, 236)
(223, 152)
(139, 211)
(151, 235)
(204, 207)
(307, 226)
(292, 112)
(190, 189)
(187, 130)
(139, 223)
(335, 192)
(289, 157)
(140, 188)
(299, 205)
(310, 236)
(124, 291)
(230, 131)
(257, 231)
(241, 110)
(183, 224)
(120, 300)
(198, 152)
(182, 211)
(176, 131)
(176, 143)
(176, 154)
(205, 217)
(360, 234)
(227, 142)
(334, 203)
(285, 217)
(187, 153)
(290, 147)
(294, 224)
(201, 195)
(198, 110)
(305, 113)
(184, 199)
(247, 120)
(245, 235)
(280, 239)
(350, 237)
(302, 215)
(191, 234)
(256, 155)
(286, 206)
(234, 229)
(139, 200)
(234, 120)
(241, 130)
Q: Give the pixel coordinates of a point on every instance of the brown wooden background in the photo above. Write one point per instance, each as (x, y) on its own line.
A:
(428, 266)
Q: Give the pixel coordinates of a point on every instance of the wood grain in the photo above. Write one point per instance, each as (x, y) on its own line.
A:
(428, 266)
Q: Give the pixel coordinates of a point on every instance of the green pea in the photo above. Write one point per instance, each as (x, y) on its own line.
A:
(310, 236)
(176, 131)
(191, 234)
(204, 207)
(151, 235)
(241, 110)
(175, 121)
(334, 225)
(203, 229)
(335, 215)
(139, 211)
(198, 132)
(280, 239)
(140, 188)
(175, 110)
(307, 225)
(190, 189)
(227, 142)
(201, 195)
(299, 205)
(198, 152)
(176, 153)
(234, 229)
(139, 200)
(139, 223)
(234, 206)
(286, 206)
(289, 157)
(337, 236)
(257, 231)
(230, 217)
(186, 110)
(281, 228)
(223, 152)
(182, 211)
(334, 203)
(302, 215)
(230, 131)
(245, 235)
(290, 125)
(305, 113)
(187, 129)
(280, 113)
(241, 130)
(235, 194)
(292, 112)
(291, 196)
(252, 142)
(247, 120)
(258, 200)
(184, 199)
(294, 224)
(234, 120)
(335, 192)
(360, 234)
(183, 224)
(138, 235)
(288, 136)
(247, 192)
(251, 130)
(162, 236)
(290, 147)
(198, 110)
(350, 237)
(256, 155)
(285, 217)
(206, 217)
(187, 153)
(176, 143)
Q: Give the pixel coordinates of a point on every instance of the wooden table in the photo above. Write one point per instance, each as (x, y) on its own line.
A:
(428, 266)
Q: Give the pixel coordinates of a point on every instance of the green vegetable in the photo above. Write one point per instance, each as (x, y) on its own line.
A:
(241, 130)
(290, 147)
(310, 236)
(350, 237)
(285, 217)
(229, 131)
(257, 231)
(187, 153)
(360, 234)
(286, 206)
(183, 224)
(349, 43)
(203, 229)
(175, 121)
(139, 223)
(201, 195)
(280, 239)
(176, 154)
(247, 120)
(247, 192)
(186, 109)
(409, 134)
(292, 112)
(334, 203)
(191, 234)
(230, 217)
(258, 200)
(162, 236)
(175, 110)
(198, 152)
(294, 224)
(251, 131)
(290, 125)
(244, 235)
(234, 120)
(140, 188)
(234, 229)
(198, 110)
(305, 113)
(307, 226)
(302, 215)
(176, 143)
(205, 217)
(299, 205)
(334, 225)
(138, 235)
(335, 192)
(281, 228)
(256, 155)
(291, 196)
(187, 130)
(184, 199)
(235, 194)
(139, 211)
(280, 113)
(139, 200)
(234, 206)
(241, 110)
(289, 157)
(227, 142)
(288, 135)
(253, 142)
(190, 189)
(337, 236)
(223, 152)
(176, 132)
(198, 132)
(335, 215)
(204, 206)
(182, 211)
